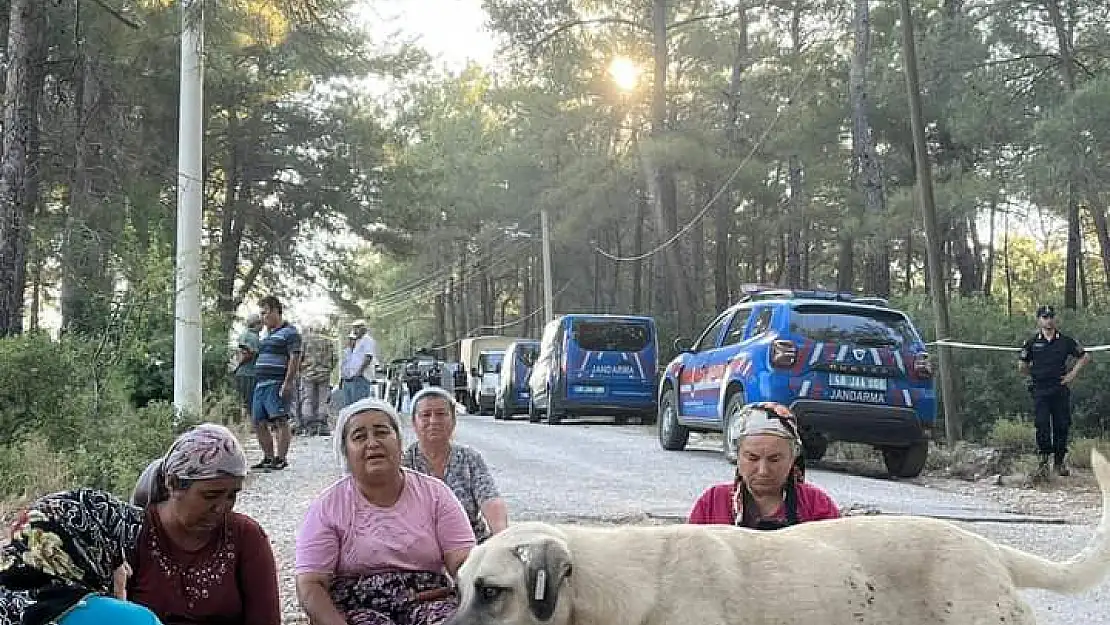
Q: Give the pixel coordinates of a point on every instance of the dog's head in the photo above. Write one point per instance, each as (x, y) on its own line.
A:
(516, 578)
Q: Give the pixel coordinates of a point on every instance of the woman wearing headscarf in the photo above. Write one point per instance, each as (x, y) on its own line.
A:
(198, 561)
(378, 546)
(462, 468)
(66, 562)
(769, 491)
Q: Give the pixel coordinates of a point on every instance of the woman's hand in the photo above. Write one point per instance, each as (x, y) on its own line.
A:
(496, 512)
(119, 581)
(453, 560)
(315, 599)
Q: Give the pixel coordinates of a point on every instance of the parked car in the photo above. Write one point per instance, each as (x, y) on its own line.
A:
(482, 356)
(595, 365)
(851, 368)
(513, 394)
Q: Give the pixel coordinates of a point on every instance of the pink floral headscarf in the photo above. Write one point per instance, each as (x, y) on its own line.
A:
(205, 452)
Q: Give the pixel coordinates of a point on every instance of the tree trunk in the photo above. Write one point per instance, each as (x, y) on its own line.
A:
(527, 306)
(614, 293)
(441, 320)
(597, 279)
(638, 248)
(661, 183)
(232, 224)
(1071, 273)
(1067, 72)
(795, 219)
(87, 281)
(18, 169)
(1098, 217)
(464, 289)
(866, 169)
(988, 271)
(907, 288)
(723, 215)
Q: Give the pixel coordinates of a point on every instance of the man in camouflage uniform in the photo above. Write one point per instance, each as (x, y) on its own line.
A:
(316, 368)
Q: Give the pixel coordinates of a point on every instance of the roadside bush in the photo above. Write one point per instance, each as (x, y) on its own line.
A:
(1012, 436)
(1080, 455)
(67, 418)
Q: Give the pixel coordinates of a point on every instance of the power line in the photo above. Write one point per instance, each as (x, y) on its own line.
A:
(720, 191)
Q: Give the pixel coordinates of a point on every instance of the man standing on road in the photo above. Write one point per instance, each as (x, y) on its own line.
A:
(357, 368)
(1044, 358)
(249, 342)
(279, 359)
(319, 361)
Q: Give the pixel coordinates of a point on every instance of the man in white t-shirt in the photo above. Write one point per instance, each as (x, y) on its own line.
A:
(357, 369)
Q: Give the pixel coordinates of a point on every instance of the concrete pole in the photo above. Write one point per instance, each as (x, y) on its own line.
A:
(938, 286)
(187, 338)
(548, 297)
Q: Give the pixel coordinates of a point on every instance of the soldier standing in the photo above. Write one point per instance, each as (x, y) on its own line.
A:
(1044, 358)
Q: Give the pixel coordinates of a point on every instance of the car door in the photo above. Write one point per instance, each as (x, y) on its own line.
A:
(693, 385)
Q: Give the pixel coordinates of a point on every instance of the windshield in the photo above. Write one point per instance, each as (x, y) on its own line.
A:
(612, 336)
(840, 324)
(527, 354)
(490, 362)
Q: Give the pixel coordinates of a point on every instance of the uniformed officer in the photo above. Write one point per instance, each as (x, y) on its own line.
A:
(1044, 358)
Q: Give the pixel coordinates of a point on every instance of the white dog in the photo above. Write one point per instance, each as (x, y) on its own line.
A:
(871, 570)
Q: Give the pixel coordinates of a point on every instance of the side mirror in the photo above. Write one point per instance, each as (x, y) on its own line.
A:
(682, 345)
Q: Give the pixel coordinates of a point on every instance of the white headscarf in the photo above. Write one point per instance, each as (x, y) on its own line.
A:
(339, 436)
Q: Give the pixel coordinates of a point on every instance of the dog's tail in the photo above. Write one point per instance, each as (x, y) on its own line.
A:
(1082, 571)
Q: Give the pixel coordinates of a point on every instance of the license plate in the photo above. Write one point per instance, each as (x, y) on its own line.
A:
(858, 382)
(595, 390)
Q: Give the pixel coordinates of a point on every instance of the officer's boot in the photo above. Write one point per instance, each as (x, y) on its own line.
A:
(1061, 467)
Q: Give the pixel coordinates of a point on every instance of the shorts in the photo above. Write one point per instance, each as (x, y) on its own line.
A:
(268, 405)
(244, 386)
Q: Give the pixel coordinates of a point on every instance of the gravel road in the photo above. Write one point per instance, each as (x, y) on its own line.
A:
(603, 472)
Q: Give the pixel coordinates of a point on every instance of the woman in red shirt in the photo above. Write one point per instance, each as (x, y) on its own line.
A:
(198, 562)
(769, 491)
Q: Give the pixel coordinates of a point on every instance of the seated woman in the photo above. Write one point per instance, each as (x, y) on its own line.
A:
(66, 562)
(462, 468)
(377, 546)
(770, 491)
(198, 562)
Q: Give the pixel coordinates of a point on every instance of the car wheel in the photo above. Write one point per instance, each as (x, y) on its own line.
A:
(814, 447)
(621, 420)
(498, 412)
(906, 461)
(732, 412)
(673, 436)
(533, 414)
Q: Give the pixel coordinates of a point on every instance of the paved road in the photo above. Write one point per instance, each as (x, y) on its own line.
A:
(601, 470)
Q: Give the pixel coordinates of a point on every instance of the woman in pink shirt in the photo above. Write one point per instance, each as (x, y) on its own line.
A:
(376, 547)
(769, 491)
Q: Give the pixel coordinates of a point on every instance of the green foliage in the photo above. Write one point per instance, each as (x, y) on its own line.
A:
(988, 384)
(66, 418)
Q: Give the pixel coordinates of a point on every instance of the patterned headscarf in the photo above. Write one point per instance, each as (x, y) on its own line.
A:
(205, 452)
(63, 547)
(766, 418)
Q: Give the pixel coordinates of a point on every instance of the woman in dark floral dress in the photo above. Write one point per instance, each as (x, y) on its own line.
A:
(198, 562)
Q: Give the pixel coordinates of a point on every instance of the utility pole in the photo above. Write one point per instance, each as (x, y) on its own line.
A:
(938, 286)
(187, 337)
(548, 298)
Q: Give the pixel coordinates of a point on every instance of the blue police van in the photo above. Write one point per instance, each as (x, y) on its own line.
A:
(595, 365)
(513, 394)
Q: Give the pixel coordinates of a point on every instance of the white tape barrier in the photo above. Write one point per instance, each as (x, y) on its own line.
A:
(1001, 348)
